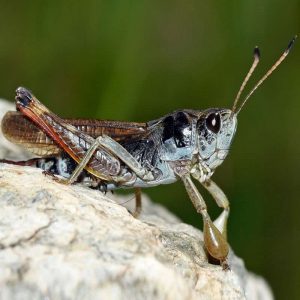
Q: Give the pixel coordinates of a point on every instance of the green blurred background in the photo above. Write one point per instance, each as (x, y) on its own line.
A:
(138, 60)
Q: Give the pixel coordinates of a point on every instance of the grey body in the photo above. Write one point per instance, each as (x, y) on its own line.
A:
(184, 141)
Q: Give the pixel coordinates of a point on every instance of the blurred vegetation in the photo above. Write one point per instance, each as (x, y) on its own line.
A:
(138, 60)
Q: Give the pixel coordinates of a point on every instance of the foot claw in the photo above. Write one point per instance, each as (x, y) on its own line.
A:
(225, 266)
(48, 173)
(55, 178)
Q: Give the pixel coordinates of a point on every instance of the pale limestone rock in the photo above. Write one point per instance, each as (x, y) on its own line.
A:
(71, 242)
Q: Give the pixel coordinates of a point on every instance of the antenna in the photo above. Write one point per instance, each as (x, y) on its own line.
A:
(253, 66)
(269, 72)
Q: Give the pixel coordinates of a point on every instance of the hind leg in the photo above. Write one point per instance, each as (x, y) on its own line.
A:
(107, 143)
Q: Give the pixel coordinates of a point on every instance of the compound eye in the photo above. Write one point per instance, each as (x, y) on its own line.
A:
(213, 122)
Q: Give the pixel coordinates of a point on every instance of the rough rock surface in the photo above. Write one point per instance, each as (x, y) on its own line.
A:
(71, 242)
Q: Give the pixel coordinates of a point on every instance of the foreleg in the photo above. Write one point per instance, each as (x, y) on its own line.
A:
(222, 201)
(214, 240)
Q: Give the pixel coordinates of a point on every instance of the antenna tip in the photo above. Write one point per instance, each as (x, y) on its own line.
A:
(290, 45)
(256, 53)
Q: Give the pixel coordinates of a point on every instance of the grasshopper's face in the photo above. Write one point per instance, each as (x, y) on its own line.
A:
(216, 129)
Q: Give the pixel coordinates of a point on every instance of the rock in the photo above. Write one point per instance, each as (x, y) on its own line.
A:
(71, 242)
(64, 242)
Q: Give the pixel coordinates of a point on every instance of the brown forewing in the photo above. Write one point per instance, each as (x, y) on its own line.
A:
(20, 130)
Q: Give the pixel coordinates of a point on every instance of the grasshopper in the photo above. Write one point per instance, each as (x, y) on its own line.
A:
(108, 155)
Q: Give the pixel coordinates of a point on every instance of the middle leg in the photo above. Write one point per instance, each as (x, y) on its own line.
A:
(138, 202)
